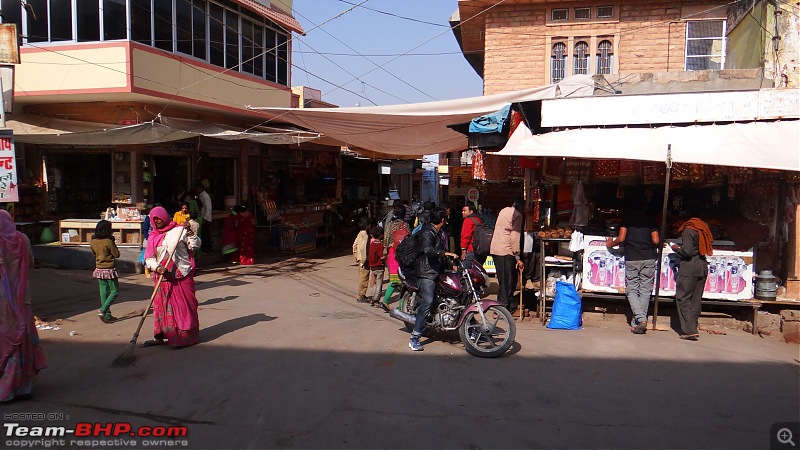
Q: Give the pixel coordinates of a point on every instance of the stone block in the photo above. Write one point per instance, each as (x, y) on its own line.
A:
(791, 332)
(727, 322)
(790, 315)
(768, 323)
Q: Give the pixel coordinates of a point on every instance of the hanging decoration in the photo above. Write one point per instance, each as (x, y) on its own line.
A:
(478, 166)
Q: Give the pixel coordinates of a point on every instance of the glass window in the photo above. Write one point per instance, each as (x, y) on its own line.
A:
(61, 20)
(559, 14)
(558, 62)
(37, 22)
(231, 40)
(87, 13)
(12, 13)
(580, 58)
(283, 59)
(199, 29)
(605, 12)
(141, 21)
(583, 13)
(705, 45)
(248, 51)
(258, 48)
(269, 57)
(605, 57)
(114, 20)
(162, 24)
(216, 35)
(183, 26)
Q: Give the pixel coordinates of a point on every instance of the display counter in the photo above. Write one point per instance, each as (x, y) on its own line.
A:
(730, 273)
(81, 231)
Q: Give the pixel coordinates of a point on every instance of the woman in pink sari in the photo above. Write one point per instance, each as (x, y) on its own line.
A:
(175, 320)
(21, 353)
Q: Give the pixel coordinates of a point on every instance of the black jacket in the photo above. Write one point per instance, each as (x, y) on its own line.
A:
(693, 264)
(432, 260)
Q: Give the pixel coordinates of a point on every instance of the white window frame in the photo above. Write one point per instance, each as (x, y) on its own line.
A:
(570, 39)
(723, 38)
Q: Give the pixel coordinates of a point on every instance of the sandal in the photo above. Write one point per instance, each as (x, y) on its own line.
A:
(385, 307)
(152, 343)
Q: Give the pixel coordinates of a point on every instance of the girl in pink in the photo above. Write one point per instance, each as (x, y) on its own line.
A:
(175, 320)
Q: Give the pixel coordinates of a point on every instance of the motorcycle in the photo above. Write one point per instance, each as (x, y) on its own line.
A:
(486, 328)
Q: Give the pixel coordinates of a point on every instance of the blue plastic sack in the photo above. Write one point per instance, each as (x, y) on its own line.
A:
(566, 308)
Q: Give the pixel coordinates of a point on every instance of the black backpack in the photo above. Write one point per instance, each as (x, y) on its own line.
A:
(407, 252)
(482, 239)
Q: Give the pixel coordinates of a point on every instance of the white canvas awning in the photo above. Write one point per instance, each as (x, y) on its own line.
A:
(416, 129)
(44, 130)
(767, 145)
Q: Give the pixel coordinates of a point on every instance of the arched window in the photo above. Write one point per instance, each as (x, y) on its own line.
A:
(605, 57)
(558, 62)
(580, 58)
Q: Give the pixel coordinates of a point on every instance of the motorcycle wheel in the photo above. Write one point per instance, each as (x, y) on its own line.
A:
(489, 343)
(408, 305)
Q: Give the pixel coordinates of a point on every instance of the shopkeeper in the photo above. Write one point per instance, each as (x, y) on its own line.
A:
(696, 240)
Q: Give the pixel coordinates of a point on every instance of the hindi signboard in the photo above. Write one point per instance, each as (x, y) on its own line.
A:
(9, 191)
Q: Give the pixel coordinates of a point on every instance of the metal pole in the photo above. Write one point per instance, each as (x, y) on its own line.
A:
(661, 235)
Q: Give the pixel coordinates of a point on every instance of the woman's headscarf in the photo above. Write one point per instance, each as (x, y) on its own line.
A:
(157, 234)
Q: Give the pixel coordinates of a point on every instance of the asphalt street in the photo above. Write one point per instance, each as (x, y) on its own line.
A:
(288, 359)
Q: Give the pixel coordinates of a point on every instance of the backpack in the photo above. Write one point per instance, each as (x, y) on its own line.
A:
(398, 235)
(407, 253)
(417, 228)
(482, 239)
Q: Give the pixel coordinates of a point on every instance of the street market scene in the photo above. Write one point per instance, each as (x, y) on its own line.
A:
(526, 224)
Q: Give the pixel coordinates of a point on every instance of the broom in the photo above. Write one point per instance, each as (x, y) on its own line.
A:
(127, 357)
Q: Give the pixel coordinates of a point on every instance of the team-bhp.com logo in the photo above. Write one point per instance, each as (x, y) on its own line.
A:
(95, 429)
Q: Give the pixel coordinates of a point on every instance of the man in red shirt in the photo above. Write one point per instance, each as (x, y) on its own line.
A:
(471, 220)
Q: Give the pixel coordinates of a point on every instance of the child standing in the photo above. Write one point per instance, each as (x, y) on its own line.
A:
(360, 254)
(377, 263)
(105, 255)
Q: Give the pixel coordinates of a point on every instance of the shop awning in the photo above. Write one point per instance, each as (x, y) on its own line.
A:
(767, 145)
(44, 130)
(418, 129)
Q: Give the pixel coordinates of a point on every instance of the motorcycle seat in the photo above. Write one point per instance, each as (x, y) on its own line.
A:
(409, 282)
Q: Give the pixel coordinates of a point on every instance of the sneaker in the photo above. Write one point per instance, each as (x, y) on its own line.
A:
(638, 329)
(689, 337)
(414, 344)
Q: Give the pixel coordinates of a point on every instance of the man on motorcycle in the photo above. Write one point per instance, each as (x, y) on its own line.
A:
(430, 263)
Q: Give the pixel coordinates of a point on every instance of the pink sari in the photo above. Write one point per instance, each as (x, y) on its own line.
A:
(21, 353)
(175, 303)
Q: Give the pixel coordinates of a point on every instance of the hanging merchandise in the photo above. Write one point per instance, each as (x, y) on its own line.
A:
(578, 170)
(606, 169)
(580, 212)
(653, 172)
(697, 173)
(680, 172)
(478, 166)
(715, 175)
(537, 202)
(497, 167)
(740, 175)
(514, 121)
(553, 168)
(628, 172)
(791, 202)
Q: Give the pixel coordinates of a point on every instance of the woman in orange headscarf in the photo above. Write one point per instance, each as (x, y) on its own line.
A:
(696, 240)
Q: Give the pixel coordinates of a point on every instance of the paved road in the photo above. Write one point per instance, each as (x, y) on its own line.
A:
(290, 360)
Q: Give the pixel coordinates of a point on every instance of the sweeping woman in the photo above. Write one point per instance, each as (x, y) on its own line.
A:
(175, 320)
(21, 354)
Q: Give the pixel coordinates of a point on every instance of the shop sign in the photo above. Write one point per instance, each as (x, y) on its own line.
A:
(461, 180)
(473, 194)
(9, 191)
(429, 175)
(9, 44)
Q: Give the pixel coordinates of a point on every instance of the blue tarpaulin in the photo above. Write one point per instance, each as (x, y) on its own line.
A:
(490, 123)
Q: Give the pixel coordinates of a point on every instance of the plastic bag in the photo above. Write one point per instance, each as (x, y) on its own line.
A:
(566, 308)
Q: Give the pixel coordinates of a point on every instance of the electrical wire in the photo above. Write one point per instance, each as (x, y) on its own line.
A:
(397, 16)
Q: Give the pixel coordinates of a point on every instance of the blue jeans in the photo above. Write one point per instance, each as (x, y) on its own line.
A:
(427, 289)
(639, 279)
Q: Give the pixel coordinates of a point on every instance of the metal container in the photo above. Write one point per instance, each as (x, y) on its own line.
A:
(767, 285)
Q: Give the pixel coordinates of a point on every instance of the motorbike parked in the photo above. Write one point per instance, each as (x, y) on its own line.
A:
(486, 327)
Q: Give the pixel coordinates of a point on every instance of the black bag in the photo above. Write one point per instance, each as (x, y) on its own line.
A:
(407, 252)
(482, 239)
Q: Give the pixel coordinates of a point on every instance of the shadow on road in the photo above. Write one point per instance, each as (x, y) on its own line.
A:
(216, 331)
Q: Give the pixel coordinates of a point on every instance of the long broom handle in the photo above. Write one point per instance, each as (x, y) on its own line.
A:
(155, 289)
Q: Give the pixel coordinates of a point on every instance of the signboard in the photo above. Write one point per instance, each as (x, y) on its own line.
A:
(9, 191)
(460, 180)
(9, 45)
(730, 273)
(473, 194)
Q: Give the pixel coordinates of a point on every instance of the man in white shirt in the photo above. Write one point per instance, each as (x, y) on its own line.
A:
(205, 216)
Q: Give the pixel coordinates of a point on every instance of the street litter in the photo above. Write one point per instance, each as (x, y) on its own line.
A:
(41, 324)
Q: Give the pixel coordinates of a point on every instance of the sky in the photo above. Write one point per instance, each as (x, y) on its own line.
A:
(329, 57)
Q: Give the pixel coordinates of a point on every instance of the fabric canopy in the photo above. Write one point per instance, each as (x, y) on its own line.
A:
(414, 130)
(767, 145)
(44, 130)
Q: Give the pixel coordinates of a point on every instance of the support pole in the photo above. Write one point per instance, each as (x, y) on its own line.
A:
(661, 234)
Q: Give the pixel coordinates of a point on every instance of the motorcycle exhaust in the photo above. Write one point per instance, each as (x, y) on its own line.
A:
(400, 315)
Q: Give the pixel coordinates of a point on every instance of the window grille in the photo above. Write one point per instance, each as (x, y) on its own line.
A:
(583, 13)
(605, 12)
(580, 58)
(705, 45)
(558, 62)
(559, 14)
(605, 57)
